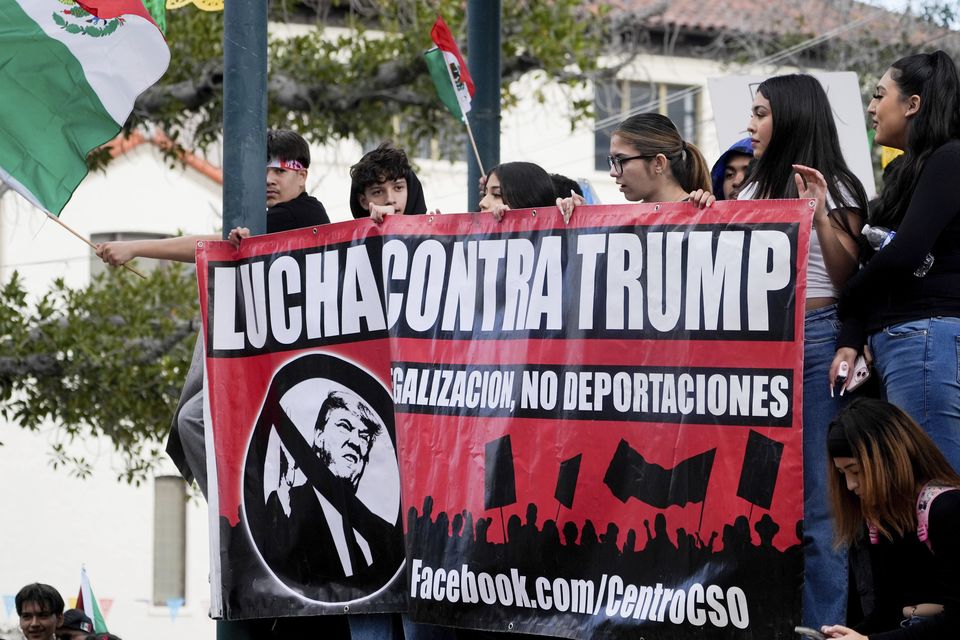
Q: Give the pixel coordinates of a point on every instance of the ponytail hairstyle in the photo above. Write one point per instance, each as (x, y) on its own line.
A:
(933, 77)
(804, 133)
(652, 133)
(896, 458)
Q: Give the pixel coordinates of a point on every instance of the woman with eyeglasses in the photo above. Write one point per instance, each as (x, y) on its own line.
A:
(652, 162)
(797, 151)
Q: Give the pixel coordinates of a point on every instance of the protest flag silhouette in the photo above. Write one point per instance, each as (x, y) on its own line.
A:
(500, 486)
(631, 476)
(761, 465)
(567, 482)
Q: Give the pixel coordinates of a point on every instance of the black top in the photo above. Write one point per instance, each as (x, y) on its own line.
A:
(885, 291)
(889, 576)
(302, 211)
(944, 528)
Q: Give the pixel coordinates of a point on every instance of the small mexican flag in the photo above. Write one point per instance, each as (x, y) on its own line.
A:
(87, 603)
(70, 71)
(448, 71)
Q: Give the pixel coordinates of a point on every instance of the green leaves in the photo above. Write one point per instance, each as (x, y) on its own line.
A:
(104, 361)
(366, 80)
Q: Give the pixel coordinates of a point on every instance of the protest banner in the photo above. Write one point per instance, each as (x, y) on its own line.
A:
(305, 496)
(597, 424)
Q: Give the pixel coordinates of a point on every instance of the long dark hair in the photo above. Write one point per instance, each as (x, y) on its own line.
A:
(896, 459)
(524, 185)
(804, 133)
(654, 133)
(933, 77)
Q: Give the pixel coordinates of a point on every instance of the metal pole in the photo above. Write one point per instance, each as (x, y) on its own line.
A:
(483, 61)
(238, 630)
(244, 150)
(244, 116)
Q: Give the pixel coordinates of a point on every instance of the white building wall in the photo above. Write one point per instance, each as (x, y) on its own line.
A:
(53, 522)
(535, 132)
(138, 192)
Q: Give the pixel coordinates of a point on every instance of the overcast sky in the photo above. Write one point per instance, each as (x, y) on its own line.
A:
(893, 5)
(900, 5)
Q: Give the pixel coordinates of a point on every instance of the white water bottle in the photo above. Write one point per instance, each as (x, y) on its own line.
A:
(879, 237)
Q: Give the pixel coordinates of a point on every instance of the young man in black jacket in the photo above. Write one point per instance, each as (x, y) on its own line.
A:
(288, 207)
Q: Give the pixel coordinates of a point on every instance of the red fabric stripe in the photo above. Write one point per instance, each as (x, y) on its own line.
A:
(444, 40)
(589, 352)
(107, 9)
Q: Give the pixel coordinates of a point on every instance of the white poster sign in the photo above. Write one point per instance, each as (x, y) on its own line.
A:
(732, 97)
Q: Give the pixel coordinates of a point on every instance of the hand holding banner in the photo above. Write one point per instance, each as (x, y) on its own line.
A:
(505, 352)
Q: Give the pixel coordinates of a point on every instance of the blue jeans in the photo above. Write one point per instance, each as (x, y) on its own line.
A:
(825, 568)
(373, 626)
(420, 631)
(919, 366)
(381, 626)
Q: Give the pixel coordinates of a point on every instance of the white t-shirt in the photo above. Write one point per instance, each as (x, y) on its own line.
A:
(819, 284)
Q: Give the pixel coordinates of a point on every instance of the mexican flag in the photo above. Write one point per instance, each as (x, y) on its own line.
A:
(70, 71)
(87, 603)
(448, 71)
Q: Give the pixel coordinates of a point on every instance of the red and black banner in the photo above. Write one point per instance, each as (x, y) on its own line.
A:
(596, 426)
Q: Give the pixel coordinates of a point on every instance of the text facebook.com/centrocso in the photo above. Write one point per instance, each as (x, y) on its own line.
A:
(696, 604)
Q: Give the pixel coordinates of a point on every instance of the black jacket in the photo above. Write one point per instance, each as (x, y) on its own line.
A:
(302, 211)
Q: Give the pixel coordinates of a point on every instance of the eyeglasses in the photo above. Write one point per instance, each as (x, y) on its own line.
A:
(616, 162)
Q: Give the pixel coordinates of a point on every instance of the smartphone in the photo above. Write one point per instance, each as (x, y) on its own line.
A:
(861, 371)
(840, 380)
(807, 632)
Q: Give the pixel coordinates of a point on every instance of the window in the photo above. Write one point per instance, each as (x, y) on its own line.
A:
(447, 142)
(450, 145)
(169, 539)
(97, 266)
(615, 99)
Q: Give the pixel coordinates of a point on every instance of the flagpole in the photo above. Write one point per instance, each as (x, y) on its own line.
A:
(473, 143)
(86, 241)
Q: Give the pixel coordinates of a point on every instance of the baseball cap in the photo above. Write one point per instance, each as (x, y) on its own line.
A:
(76, 620)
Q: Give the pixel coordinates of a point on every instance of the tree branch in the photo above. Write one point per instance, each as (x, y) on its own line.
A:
(132, 352)
(34, 365)
(189, 94)
(391, 82)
